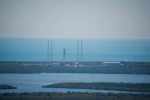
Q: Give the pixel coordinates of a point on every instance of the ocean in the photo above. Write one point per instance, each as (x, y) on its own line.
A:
(35, 49)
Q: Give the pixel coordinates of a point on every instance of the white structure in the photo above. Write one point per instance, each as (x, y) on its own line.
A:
(111, 64)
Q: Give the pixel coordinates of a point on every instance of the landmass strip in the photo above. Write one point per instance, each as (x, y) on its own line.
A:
(136, 87)
(72, 96)
(69, 67)
(7, 87)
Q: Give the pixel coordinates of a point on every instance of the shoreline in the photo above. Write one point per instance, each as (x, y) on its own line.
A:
(133, 87)
(32, 67)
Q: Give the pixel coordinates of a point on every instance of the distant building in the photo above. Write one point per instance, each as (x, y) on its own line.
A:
(67, 65)
(25, 64)
(110, 63)
(124, 62)
(121, 63)
(76, 63)
(55, 64)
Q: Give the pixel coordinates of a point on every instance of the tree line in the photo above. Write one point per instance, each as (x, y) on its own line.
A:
(7, 87)
(72, 96)
(138, 87)
(12, 67)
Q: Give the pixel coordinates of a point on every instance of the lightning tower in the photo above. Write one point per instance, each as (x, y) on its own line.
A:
(48, 52)
(77, 50)
(64, 55)
(81, 53)
(51, 52)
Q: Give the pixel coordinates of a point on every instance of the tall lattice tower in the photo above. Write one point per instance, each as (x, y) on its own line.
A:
(51, 52)
(48, 52)
(81, 53)
(64, 55)
(77, 50)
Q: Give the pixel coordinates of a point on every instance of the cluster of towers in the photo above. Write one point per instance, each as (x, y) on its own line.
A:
(79, 54)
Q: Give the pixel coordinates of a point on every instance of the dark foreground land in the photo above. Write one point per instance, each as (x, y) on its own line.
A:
(136, 87)
(72, 96)
(7, 87)
(69, 67)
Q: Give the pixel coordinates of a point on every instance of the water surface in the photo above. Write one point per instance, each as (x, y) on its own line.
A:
(33, 82)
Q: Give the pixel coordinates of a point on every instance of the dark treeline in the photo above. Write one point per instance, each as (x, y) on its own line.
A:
(89, 67)
(138, 87)
(72, 96)
(45, 69)
(7, 87)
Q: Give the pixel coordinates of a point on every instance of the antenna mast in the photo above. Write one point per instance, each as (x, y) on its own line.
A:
(64, 55)
(51, 52)
(77, 50)
(81, 52)
(48, 52)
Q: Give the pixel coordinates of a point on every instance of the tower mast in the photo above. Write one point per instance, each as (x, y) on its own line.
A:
(51, 52)
(64, 55)
(81, 52)
(77, 50)
(48, 52)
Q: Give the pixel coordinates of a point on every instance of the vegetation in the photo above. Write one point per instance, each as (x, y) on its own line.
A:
(139, 87)
(72, 96)
(89, 67)
(7, 87)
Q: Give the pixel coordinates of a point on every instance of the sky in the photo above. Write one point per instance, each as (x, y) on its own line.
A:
(100, 19)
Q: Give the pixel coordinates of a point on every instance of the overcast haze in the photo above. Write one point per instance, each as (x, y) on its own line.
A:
(103, 19)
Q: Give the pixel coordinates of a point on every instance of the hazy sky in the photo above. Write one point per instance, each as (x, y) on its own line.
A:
(104, 19)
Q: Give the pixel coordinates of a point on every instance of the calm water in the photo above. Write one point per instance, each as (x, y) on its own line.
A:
(30, 49)
(33, 82)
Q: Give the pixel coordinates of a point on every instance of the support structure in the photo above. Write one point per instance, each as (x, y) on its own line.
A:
(48, 52)
(51, 52)
(77, 50)
(64, 55)
(81, 53)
